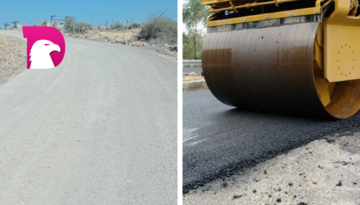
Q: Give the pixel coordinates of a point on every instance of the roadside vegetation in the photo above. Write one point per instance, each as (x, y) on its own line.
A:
(119, 26)
(71, 26)
(5, 25)
(194, 14)
(188, 46)
(159, 29)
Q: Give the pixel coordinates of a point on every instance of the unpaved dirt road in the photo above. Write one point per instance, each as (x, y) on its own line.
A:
(98, 129)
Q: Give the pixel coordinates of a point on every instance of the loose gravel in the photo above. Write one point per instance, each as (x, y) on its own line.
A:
(325, 171)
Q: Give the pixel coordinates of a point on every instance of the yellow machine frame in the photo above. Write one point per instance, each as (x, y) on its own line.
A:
(260, 17)
(341, 32)
(342, 44)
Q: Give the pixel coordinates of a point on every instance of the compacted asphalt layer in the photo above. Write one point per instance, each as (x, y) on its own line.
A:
(220, 141)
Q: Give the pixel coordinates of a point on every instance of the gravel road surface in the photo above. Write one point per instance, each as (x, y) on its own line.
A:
(220, 141)
(98, 129)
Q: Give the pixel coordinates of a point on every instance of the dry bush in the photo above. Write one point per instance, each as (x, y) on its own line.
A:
(159, 29)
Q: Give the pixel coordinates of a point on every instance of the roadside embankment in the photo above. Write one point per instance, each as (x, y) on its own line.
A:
(194, 86)
(191, 80)
(128, 37)
(12, 56)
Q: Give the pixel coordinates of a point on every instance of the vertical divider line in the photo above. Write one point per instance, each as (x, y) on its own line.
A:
(180, 103)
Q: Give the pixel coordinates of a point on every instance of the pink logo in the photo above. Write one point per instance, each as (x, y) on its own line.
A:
(45, 47)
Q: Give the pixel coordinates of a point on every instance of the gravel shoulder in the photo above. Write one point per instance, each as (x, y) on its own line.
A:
(325, 171)
(12, 57)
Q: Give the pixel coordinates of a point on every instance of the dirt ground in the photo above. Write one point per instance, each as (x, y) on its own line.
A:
(12, 57)
(323, 172)
(111, 35)
(192, 78)
(127, 37)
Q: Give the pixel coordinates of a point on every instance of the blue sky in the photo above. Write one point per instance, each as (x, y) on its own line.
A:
(31, 11)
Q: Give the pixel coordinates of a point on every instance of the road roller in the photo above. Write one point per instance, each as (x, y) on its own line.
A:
(292, 56)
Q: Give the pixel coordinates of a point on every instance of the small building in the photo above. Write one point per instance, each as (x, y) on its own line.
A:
(18, 26)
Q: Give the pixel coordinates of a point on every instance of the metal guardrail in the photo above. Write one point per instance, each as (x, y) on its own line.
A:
(192, 63)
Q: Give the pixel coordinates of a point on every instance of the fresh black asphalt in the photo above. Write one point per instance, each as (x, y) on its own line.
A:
(220, 141)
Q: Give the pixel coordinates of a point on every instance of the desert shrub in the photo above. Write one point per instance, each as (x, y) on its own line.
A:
(71, 25)
(117, 26)
(83, 27)
(136, 25)
(159, 29)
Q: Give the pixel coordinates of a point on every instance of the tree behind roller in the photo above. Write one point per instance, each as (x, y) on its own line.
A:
(194, 13)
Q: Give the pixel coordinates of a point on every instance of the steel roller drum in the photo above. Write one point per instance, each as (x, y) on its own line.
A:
(272, 69)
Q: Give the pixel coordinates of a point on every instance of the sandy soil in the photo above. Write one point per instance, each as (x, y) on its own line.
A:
(192, 78)
(12, 57)
(322, 172)
(111, 35)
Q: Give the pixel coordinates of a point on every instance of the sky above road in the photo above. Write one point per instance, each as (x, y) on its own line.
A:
(32, 11)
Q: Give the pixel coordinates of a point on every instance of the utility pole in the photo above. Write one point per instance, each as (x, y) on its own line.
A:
(52, 21)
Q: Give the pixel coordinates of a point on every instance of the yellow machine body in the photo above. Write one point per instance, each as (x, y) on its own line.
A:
(321, 37)
(342, 44)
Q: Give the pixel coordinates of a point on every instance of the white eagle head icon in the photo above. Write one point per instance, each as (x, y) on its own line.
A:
(40, 54)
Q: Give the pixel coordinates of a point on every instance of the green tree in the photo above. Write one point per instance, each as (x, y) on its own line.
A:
(188, 46)
(193, 14)
(14, 22)
(6, 25)
(69, 24)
